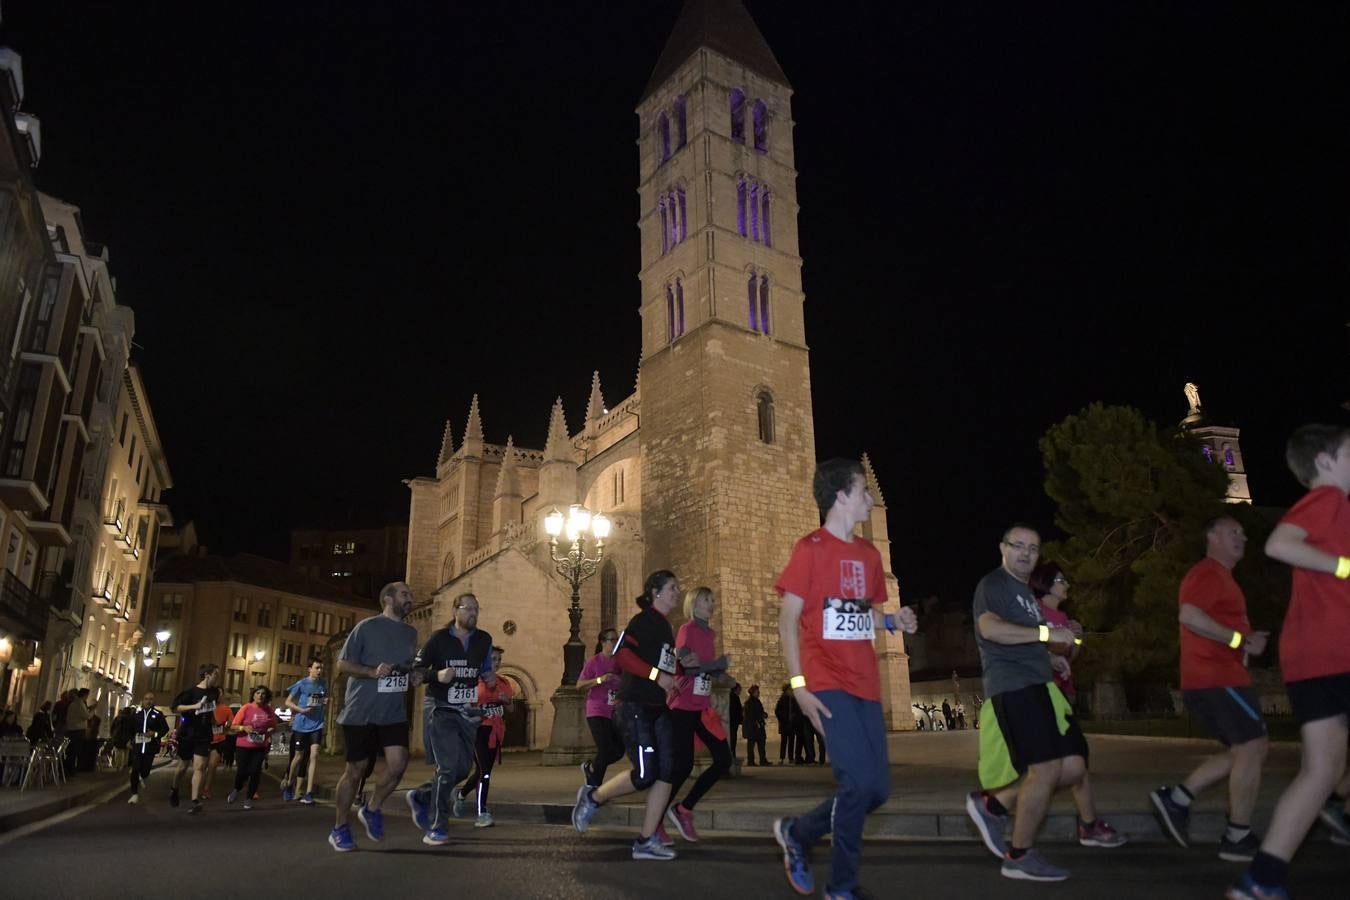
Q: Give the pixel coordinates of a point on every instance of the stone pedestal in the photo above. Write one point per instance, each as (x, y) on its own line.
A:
(571, 741)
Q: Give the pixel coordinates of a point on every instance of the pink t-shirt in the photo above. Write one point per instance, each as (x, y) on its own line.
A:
(1057, 618)
(260, 719)
(598, 697)
(694, 692)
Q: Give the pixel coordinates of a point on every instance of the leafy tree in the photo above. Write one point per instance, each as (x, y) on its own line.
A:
(1132, 499)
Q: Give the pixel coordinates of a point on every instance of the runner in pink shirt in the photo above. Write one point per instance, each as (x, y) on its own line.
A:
(601, 677)
(253, 723)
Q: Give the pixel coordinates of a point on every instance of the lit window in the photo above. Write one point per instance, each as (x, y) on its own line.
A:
(738, 116)
(663, 135)
(665, 243)
(760, 116)
(764, 304)
(684, 223)
(764, 217)
(754, 306)
(740, 207)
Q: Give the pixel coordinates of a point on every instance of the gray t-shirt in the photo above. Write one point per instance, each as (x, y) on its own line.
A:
(378, 701)
(1010, 667)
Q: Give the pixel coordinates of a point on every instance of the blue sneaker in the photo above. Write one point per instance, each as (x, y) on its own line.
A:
(419, 812)
(1246, 889)
(341, 839)
(287, 792)
(435, 838)
(585, 809)
(795, 862)
(373, 819)
(308, 799)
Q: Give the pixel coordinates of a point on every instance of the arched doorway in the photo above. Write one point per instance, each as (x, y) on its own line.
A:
(518, 716)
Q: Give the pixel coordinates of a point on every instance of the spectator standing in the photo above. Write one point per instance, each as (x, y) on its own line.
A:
(756, 722)
(735, 717)
(76, 720)
(782, 711)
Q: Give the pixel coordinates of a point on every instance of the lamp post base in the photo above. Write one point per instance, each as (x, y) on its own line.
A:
(571, 741)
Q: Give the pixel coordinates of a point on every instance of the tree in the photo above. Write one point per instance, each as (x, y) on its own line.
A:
(1133, 500)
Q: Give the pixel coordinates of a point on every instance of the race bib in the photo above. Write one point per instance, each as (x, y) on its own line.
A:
(391, 684)
(703, 686)
(667, 663)
(492, 712)
(460, 694)
(612, 697)
(217, 729)
(843, 624)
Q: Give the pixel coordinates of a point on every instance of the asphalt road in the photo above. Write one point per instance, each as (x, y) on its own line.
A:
(117, 850)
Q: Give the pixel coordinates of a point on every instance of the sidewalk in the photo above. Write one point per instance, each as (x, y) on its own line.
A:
(931, 773)
(19, 808)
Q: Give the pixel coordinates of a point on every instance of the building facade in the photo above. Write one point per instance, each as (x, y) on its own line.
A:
(706, 467)
(1220, 444)
(359, 561)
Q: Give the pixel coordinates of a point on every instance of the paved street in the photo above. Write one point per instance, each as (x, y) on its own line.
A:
(229, 852)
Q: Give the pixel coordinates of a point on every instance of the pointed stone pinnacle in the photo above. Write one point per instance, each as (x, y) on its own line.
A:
(872, 484)
(559, 445)
(447, 444)
(508, 481)
(595, 406)
(474, 431)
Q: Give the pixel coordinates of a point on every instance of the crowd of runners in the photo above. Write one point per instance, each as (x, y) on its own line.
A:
(649, 695)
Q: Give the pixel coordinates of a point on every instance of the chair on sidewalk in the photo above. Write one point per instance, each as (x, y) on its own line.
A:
(46, 764)
(15, 753)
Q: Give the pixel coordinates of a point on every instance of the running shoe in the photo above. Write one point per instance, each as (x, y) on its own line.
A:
(484, 820)
(1333, 816)
(651, 848)
(435, 838)
(373, 819)
(1033, 867)
(134, 798)
(987, 824)
(795, 861)
(459, 806)
(1175, 820)
(308, 799)
(287, 792)
(683, 820)
(419, 812)
(231, 796)
(173, 796)
(206, 795)
(1099, 834)
(341, 839)
(1246, 889)
(196, 808)
(248, 804)
(585, 809)
(661, 835)
(1239, 851)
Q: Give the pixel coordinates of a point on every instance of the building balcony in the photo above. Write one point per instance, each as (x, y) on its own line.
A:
(115, 518)
(123, 542)
(48, 534)
(55, 590)
(23, 495)
(161, 511)
(21, 610)
(103, 596)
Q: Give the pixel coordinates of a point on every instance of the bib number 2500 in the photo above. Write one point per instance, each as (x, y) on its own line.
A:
(848, 626)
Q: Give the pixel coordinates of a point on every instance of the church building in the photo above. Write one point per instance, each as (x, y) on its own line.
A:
(705, 468)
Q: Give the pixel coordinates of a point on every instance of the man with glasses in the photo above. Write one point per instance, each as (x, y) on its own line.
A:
(1024, 726)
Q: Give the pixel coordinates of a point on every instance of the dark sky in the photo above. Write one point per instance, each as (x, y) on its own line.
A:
(333, 219)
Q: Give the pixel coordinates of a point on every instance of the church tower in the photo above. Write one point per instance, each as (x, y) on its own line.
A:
(727, 440)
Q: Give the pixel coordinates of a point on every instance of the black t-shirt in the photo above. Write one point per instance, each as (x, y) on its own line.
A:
(197, 726)
(445, 650)
(649, 636)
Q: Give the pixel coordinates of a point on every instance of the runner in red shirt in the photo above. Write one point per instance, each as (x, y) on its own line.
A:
(833, 589)
(495, 697)
(1313, 538)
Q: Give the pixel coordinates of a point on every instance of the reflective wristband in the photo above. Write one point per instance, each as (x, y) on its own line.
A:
(1236, 640)
(1043, 633)
(654, 674)
(1343, 568)
(797, 681)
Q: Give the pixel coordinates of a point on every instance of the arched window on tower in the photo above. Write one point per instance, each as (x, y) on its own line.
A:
(738, 116)
(665, 243)
(684, 223)
(1209, 453)
(679, 307)
(681, 123)
(759, 113)
(674, 221)
(764, 216)
(663, 135)
(740, 206)
(609, 595)
(764, 407)
(764, 304)
(1228, 456)
(754, 211)
(754, 306)
(670, 313)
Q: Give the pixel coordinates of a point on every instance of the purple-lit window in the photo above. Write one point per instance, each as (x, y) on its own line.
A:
(760, 115)
(1228, 457)
(764, 217)
(684, 223)
(679, 307)
(665, 245)
(674, 222)
(754, 211)
(1209, 453)
(663, 135)
(740, 207)
(738, 116)
(764, 305)
(670, 314)
(681, 123)
(754, 307)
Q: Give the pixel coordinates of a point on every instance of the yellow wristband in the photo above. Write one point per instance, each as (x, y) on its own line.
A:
(1236, 640)
(654, 674)
(1043, 632)
(797, 681)
(1343, 568)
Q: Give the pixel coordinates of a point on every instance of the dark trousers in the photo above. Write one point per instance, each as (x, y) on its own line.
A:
(608, 746)
(750, 744)
(249, 762)
(787, 742)
(141, 759)
(688, 723)
(480, 779)
(447, 738)
(732, 734)
(806, 742)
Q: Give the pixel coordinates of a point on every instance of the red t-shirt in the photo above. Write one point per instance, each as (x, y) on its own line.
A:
(1209, 586)
(1316, 636)
(494, 700)
(1058, 618)
(828, 573)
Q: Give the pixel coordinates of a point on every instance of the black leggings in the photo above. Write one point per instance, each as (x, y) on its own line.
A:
(688, 723)
(608, 746)
(250, 763)
(141, 759)
(484, 758)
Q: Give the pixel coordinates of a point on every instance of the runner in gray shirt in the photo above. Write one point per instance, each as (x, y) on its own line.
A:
(374, 713)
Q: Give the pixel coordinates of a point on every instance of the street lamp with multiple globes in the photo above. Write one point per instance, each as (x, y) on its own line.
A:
(576, 567)
(257, 658)
(161, 639)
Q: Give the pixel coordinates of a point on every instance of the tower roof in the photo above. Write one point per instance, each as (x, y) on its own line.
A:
(721, 25)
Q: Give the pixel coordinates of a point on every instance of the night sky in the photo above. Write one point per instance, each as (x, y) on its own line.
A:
(327, 216)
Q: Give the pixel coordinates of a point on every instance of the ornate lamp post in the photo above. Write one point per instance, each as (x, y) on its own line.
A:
(576, 567)
(161, 639)
(257, 658)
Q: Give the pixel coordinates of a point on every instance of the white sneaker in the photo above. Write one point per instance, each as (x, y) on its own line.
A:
(484, 820)
(134, 798)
